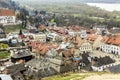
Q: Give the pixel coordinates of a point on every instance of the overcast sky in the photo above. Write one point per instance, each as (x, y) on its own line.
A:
(72, 0)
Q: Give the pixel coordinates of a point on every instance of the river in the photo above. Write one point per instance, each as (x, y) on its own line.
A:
(107, 6)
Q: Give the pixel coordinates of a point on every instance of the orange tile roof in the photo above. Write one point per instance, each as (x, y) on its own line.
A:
(79, 41)
(67, 53)
(92, 37)
(79, 28)
(115, 40)
(72, 50)
(55, 46)
(43, 48)
(105, 39)
(4, 12)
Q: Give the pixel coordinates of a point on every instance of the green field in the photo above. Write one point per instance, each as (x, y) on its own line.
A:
(13, 28)
(4, 54)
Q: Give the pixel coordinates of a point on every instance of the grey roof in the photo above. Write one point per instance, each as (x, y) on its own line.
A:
(39, 64)
(115, 69)
(56, 61)
(101, 26)
(114, 31)
(41, 73)
(21, 54)
(15, 68)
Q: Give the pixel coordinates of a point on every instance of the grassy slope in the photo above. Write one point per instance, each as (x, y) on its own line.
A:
(73, 76)
(4, 3)
(13, 28)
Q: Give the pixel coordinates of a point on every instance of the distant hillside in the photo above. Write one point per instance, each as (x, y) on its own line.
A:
(101, 1)
(4, 3)
(78, 1)
(76, 9)
(66, 7)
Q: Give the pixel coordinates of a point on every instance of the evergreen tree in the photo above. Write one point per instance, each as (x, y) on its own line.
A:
(20, 33)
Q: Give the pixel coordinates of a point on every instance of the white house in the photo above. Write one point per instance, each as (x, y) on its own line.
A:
(5, 77)
(72, 33)
(99, 28)
(39, 37)
(52, 36)
(83, 34)
(109, 48)
(64, 45)
(110, 44)
(7, 16)
(86, 47)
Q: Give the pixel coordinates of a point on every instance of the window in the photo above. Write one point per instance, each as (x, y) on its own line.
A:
(57, 66)
(11, 17)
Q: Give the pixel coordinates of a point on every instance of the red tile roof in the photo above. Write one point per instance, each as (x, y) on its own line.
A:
(4, 12)
(59, 30)
(67, 53)
(43, 48)
(92, 37)
(105, 39)
(79, 28)
(115, 40)
(79, 41)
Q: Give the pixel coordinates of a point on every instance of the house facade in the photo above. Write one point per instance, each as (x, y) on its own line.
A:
(86, 47)
(83, 34)
(100, 29)
(39, 37)
(7, 16)
(110, 48)
(110, 44)
(5, 77)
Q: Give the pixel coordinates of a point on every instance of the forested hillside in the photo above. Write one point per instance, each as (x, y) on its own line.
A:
(79, 1)
(4, 3)
(102, 1)
(72, 12)
(76, 13)
(74, 9)
(8, 4)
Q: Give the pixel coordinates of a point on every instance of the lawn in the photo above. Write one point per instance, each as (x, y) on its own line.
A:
(4, 54)
(13, 28)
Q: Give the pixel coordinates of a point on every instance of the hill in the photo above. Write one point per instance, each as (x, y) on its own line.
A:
(4, 3)
(76, 9)
(102, 1)
(77, 13)
(72, 1)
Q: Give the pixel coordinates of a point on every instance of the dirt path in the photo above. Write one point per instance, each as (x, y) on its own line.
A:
(104, 77)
